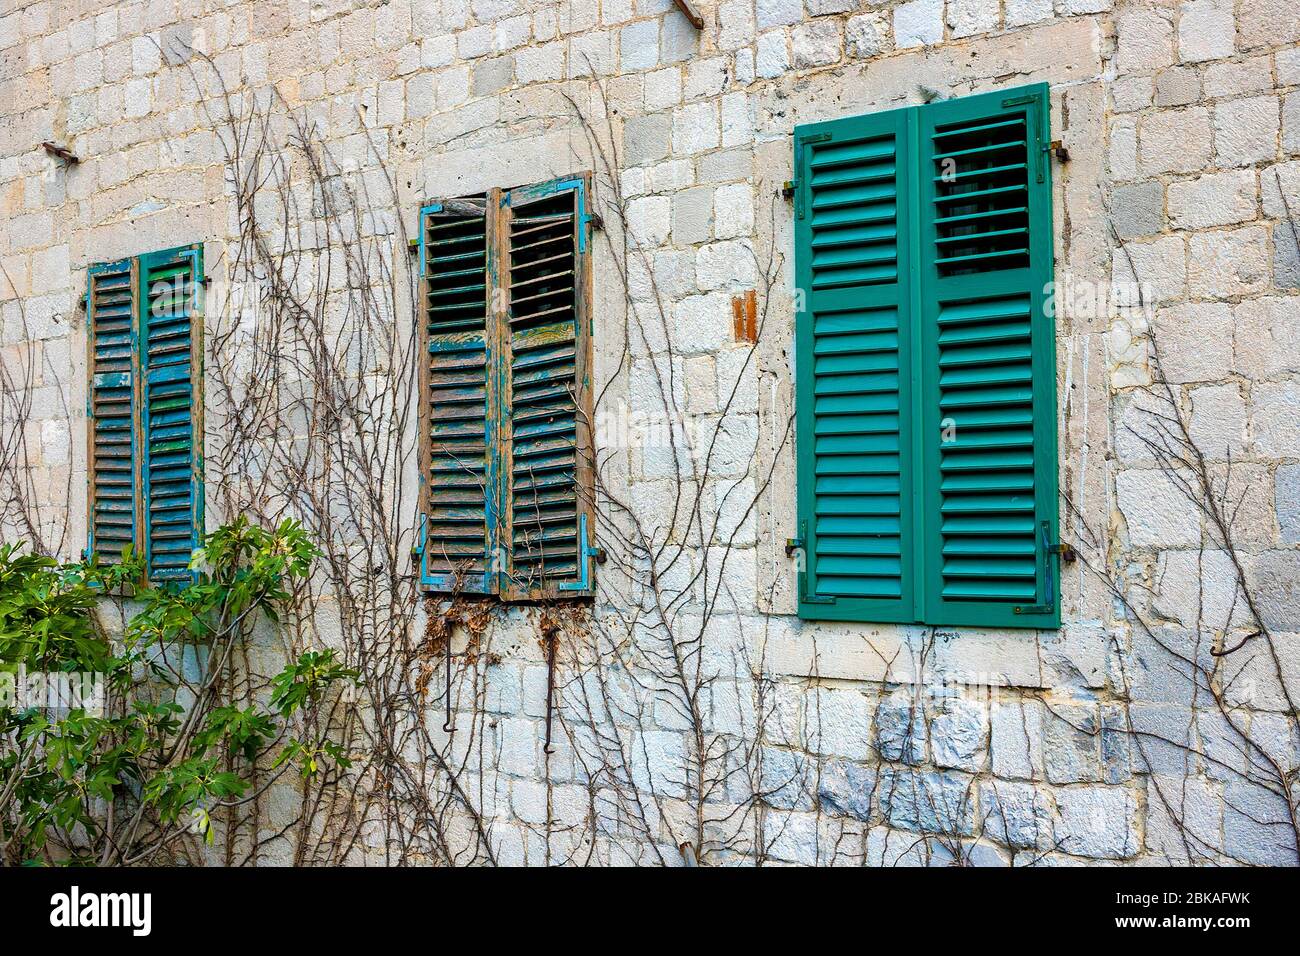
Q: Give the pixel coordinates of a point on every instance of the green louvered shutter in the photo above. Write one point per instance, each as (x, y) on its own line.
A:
(854, 386)
(458, 475)
(987, 386)
(170, 335)
(112, 408)
(546, 404)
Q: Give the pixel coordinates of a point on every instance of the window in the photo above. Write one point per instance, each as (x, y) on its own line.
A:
(926, 365)
(145, 409)
(505, 412)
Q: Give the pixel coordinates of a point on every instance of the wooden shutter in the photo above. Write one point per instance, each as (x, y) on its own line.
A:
(987, 393)
(457, 475)
(111, 408)
(546, 404)
(171, 363)
(854, 388)
(926, 383)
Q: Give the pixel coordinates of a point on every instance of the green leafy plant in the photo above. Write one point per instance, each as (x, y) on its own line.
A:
(164, 752)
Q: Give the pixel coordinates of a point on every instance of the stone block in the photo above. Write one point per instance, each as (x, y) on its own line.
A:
(1246, 131)
(1157, 512)
(1139, 209)
(816, 43)
(959, 734)
(1175, 141)
(1275, 419)
(928, 801)
(1017, 814)
(1206, 30)
(900, 729)
(1071, 746)
(1097, 822)
(1218, 425)
(647, 139)
(1229, 264)
(1215, 199)
(1016, 739)
(848, 789)
(918, 23)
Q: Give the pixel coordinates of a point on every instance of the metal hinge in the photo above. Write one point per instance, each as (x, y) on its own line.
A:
(791, 544)
(1064, 552)
(586, 552)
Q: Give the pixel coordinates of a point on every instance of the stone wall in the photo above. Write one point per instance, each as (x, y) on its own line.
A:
(861, 743)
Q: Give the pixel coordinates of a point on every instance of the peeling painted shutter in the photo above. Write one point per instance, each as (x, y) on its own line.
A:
(546, 409)
(926, 365)
(988, 361)
(171, 333)
(854, 389)
(145, 409)
(457, 472)
(112, 408)
(505, 421)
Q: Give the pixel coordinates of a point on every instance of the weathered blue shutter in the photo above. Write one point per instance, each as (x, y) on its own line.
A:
(853, 380)
(987, 392)
(546, 401)
(170, 337)
(458, 472)
(111, 408)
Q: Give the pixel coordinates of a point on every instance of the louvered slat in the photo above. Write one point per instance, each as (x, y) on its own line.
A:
(981, 213)
(455, 440)
(987, 466)
(112, 408)
(172, 499)
(543, 407)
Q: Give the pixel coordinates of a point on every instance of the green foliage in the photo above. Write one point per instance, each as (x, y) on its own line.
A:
(167, 750)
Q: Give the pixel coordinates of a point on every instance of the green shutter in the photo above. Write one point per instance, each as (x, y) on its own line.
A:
(854, 389)
(457, 474)
(546, 404)
(988, 377)
(965, 401)
(111, 408)
(170, 336)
